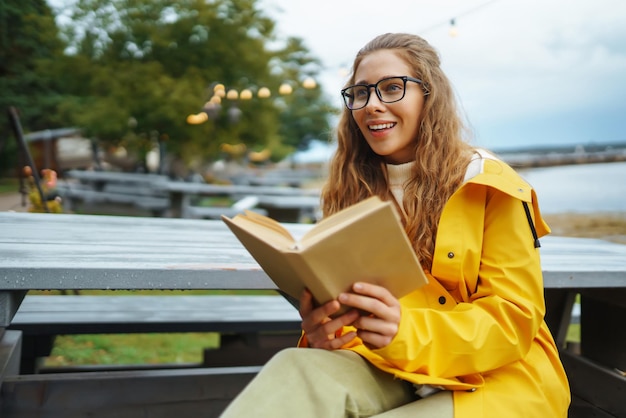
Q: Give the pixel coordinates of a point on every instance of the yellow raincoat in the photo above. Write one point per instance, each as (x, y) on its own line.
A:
(477, 328)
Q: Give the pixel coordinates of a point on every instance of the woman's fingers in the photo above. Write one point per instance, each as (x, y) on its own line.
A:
(376, 316)
(312, 314)
(380, 319)
(325, 334)
(320, 329)
(373, 299)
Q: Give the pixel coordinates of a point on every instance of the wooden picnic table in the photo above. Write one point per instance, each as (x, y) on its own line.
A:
(52, 251)
(282, 203)
(114, 192)
(162, 196)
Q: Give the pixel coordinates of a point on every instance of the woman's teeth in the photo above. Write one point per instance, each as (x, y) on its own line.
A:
(381, 126)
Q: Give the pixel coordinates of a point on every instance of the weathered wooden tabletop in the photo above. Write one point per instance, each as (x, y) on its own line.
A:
(62, 251)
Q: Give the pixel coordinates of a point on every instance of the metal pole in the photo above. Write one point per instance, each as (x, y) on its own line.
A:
(17, 128)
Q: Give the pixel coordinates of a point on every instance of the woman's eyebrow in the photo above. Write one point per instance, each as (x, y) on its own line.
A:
(381, 78)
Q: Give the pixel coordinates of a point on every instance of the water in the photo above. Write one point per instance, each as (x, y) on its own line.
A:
(583, 188)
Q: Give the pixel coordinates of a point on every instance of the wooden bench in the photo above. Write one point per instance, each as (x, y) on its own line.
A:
(289, 209)
(111, 192)
(276, 177)
(216, 212)
(140, 194)
(252, 328)
(281, 203)
(113, 199)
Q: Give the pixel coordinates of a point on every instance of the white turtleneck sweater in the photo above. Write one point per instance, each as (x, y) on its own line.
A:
(398, 176)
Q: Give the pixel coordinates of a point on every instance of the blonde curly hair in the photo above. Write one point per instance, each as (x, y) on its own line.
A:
(441, 153)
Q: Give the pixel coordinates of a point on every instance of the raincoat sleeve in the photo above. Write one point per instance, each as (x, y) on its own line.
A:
(490, 263)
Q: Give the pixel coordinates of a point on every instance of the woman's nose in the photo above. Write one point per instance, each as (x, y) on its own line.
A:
(374, 104)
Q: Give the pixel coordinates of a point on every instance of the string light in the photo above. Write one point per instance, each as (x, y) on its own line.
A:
(264, 93)
(309, 83)
(212, 107)
(246, 94)
(219, 90)
(197, 119)
(232, 94)
(453, 31)
(285, 89)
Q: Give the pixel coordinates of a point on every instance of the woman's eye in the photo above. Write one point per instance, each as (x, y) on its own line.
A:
(393, 87)
(360, 93)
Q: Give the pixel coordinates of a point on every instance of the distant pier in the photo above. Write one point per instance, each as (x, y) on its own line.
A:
(568, 155)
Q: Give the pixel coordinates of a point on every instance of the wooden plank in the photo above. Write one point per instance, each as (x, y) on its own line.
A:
(60, 314)
(9, 304)
(10, 346)
(135, 189)
(113, 176)
(202, 189)
(559, 304)
(125, 394)
(113, 196)
(212, 212)
(600, 386)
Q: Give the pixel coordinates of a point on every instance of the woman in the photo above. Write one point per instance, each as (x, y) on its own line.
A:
(471, 343)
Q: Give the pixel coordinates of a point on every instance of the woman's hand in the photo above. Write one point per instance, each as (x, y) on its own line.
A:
(379, 323)
(319, 328)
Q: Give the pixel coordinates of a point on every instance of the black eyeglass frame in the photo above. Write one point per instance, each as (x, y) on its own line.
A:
(404, 78)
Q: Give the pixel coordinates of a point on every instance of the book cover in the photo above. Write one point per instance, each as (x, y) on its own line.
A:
(364, 242)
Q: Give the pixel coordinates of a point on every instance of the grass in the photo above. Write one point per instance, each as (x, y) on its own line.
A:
(125, 349)
(218, 201)
(573, 333)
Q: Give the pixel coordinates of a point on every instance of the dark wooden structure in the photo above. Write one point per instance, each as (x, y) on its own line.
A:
(67, 252)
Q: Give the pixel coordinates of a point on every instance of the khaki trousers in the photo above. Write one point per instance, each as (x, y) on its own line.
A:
(315, 383)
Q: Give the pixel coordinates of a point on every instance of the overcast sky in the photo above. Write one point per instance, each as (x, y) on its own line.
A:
(527, 72)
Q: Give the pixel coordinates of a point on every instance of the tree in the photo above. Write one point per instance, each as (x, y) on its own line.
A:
(30, 49)
(147, 64)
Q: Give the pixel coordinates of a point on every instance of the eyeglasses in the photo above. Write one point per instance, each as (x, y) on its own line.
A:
(388, 90)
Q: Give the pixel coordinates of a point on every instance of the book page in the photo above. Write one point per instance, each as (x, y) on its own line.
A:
(268, 222)
(328, 225)
(271, 255)
(265, 229)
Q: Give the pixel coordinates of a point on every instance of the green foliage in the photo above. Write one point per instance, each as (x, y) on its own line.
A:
(29, 48)
(153, 63)
(129, 72)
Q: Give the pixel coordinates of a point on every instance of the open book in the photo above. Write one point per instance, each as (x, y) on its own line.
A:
(364, 242)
